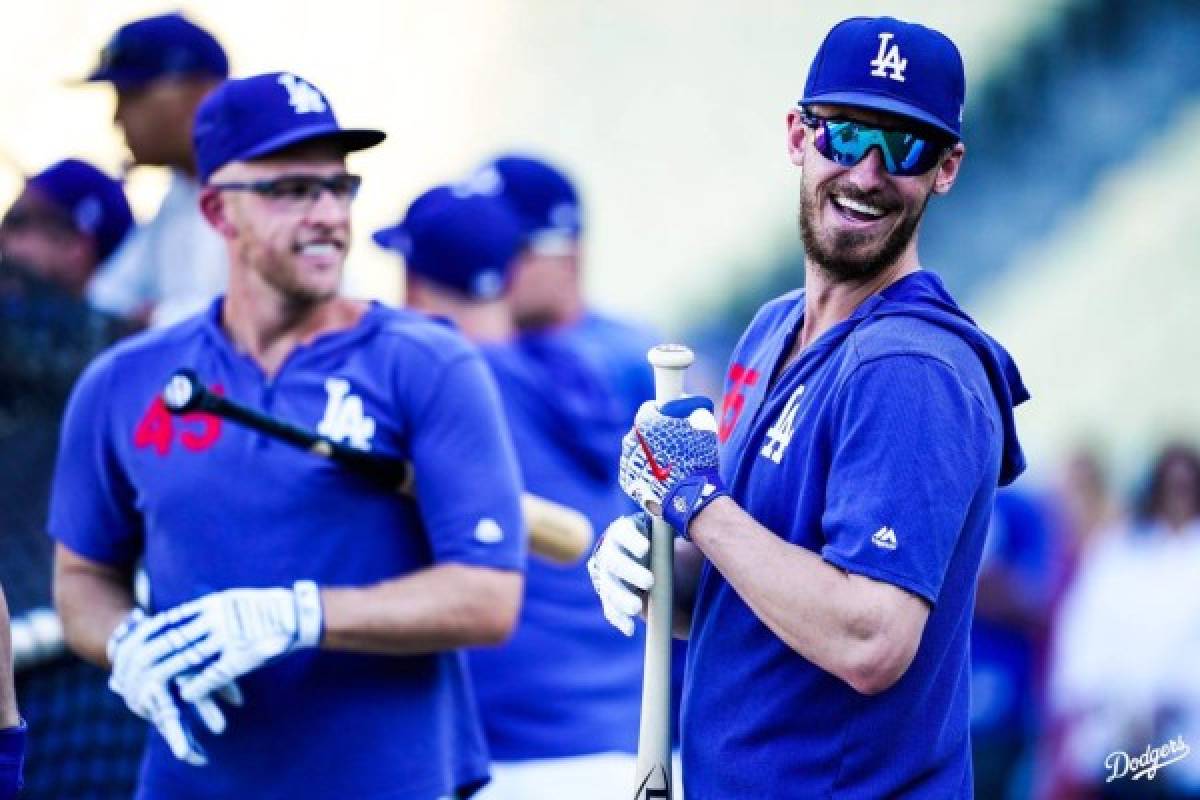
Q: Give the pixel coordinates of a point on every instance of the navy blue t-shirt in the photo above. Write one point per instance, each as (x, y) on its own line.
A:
(567, 683)
(211, 505)
(880, 448)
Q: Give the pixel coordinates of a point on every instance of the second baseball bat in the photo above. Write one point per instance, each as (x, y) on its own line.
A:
(556, 532)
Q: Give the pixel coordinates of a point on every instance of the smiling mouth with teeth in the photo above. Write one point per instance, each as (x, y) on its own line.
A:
(319, 248)
(856, 209)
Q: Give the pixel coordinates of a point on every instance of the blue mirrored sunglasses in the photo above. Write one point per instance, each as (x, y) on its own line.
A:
(846, 143)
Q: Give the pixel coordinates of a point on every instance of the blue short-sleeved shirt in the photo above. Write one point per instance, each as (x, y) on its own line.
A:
(880, 448)
(211, 505)
(567, 683)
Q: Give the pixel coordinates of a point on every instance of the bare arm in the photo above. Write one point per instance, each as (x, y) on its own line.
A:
(864, 631)
(442, 607)
(8, 696)
(92, 599)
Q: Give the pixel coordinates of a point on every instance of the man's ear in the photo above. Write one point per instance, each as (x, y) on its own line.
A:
(947, 171)
(216, 211)
(796, 135)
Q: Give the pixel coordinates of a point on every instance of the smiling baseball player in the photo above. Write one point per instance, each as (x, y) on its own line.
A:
(297, 610)
(827, 575)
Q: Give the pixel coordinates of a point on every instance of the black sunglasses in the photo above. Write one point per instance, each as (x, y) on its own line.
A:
(299, 189)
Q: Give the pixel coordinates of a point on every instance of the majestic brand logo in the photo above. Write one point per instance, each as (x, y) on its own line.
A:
(780, 434)
(303, 97)
(888, 58)
(884, 538)
(344, 420)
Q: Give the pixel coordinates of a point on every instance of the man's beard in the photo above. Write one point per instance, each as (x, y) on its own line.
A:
(837, 258)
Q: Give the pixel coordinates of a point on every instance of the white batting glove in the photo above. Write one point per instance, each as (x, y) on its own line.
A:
(620, 572)
(146, 654)
(244, 629)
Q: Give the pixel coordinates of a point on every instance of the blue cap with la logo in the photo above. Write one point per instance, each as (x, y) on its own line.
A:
(889, 65)
(249, 118)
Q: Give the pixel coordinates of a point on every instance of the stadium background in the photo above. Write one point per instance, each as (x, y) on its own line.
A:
(1071, 235)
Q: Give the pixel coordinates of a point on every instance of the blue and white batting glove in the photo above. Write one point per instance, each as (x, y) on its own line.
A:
(245, 628)
(620, 570)
(147, 654)
(669, 460)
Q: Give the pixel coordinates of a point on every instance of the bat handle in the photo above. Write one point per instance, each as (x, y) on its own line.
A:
(654, 779)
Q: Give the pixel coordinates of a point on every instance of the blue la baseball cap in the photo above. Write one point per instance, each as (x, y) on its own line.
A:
(248, 118)
(94, 202)
(889, 65)
(541, 196)
(156, 47)
(458, 239)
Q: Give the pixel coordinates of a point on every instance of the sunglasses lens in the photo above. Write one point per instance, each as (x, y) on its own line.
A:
(847, 143)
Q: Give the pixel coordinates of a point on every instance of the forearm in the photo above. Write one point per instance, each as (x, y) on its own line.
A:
(8, 696)
(91, 600)
(860, 630)
(443, 607)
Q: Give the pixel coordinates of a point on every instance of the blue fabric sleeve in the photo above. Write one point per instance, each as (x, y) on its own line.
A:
(92, 504)
(467, 479)
(12, 759)
(911, 445)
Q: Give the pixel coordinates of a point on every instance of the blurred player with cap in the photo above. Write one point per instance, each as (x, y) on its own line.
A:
(560, 700)
(12, 729)
(305, 614)
(546, 287)
(67, 221)
(161, 68)
(826, 574)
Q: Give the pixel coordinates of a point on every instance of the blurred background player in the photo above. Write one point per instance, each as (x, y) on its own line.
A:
(546, 288)
(325, 611)
(546, 298)
(161, 68)
(66, 221)
(12, 730)
(560, 700)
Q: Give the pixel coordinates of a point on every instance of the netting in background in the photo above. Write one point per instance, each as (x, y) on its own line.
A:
(83, 743)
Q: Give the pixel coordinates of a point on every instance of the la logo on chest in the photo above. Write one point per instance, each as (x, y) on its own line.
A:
(344, 420)
(779, 436)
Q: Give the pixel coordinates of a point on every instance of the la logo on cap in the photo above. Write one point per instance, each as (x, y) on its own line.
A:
(889, 58)
(302, 96)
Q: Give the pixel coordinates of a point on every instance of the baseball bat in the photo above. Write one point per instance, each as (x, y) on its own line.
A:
(556, 532)
(653, 777)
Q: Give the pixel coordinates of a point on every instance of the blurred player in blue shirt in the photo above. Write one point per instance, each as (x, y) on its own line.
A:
(559, 701)
(833, 518)
(303, 623)
(545, 290)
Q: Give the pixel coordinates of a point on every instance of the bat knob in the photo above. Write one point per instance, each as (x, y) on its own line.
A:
(183, 392)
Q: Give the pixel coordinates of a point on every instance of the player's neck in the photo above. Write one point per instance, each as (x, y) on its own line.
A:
(487, 323)
(828, 301)
(268, 328)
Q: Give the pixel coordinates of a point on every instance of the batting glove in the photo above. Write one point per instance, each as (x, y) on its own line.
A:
(669, 460)
(146, 654)
(245, 628)
(620, 572)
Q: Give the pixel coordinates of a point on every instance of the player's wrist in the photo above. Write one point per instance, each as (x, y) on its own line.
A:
(689, 497)
(310, 620)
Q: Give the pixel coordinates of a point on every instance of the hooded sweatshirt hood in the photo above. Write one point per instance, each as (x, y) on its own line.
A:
(923, 296)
